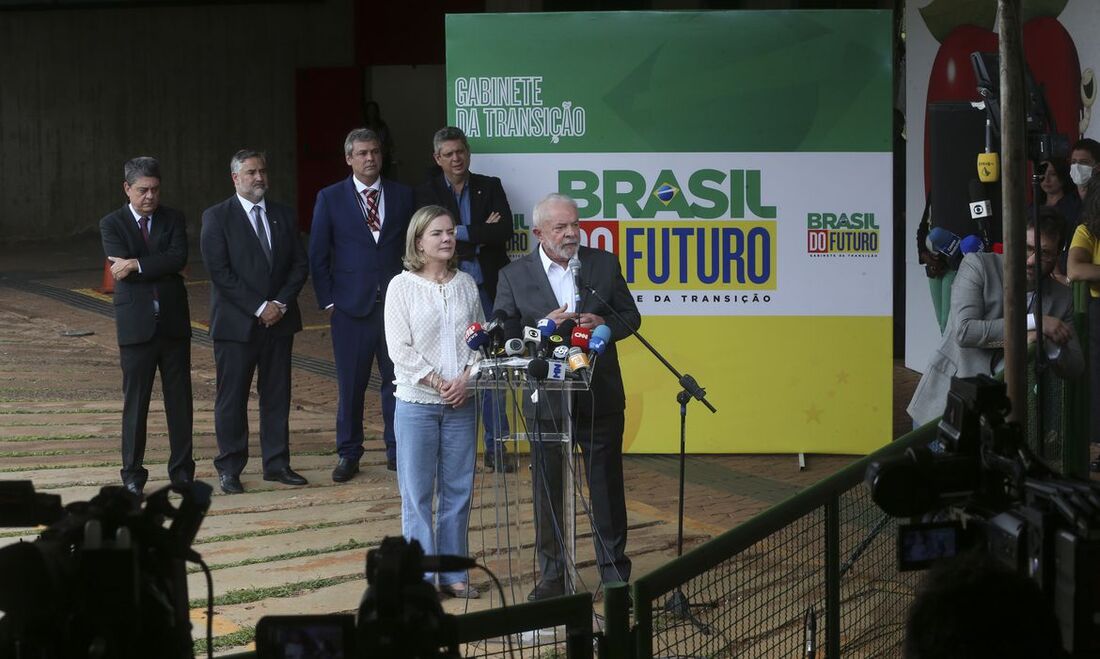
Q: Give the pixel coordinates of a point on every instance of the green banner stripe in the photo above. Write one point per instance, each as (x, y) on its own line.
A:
(672, 81)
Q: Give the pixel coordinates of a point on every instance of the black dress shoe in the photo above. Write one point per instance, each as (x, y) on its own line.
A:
(505, 463)
(545, 590)
(134, 488)
(345, 469)
(231, 484)
(286, 476)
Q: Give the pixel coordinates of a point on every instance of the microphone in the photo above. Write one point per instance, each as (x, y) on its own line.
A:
(538, 369)
(580, 338)
(575, 270)
(971, 244)
(561, 351)
(549, 343)
(989, 169)
(495, 329)
(602, 331)
(532, 337)
(944, 242)
(513, 347)
(810, 629)
(981, 210)
(578, 361)
(476, 338)
(546, 326)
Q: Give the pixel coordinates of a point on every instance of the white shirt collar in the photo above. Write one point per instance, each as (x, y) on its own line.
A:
(248, 205)
(360, 186)
(547, 263)
(137, 215)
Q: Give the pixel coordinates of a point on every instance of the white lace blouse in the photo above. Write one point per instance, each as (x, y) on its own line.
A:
(425, 324)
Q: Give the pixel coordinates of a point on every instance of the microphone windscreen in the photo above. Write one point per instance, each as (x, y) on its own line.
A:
(513, 347)
(538, 368)
(478, 340)
(578, 361)
(971, 244)
(943, 241)
(566, 328)
(602, 331)
(471, 329)
(580, 338)
(546, 326)
(597, 345)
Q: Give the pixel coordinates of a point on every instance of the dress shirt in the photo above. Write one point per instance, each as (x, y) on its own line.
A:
(149, 228)
(248, 206)
(470, 266)
(561, 281)
(377, 185)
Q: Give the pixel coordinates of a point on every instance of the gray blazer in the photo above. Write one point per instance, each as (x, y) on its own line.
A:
(973, 341)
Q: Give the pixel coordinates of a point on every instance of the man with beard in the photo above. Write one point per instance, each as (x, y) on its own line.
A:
(257, 267)
(974, 341)
(540, 285)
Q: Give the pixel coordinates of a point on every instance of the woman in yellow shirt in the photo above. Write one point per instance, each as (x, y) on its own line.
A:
(1083, 264)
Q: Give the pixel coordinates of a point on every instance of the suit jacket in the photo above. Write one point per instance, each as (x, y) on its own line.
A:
(350, 269)
(486, 197)
(240, 277)
(973, 342)
(161, 263)
(524, 293)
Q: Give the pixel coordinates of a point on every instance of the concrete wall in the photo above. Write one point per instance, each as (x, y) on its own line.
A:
(84, 90)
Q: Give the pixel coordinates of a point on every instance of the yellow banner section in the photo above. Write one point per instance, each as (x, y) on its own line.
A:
(778, 387)
(722, 255)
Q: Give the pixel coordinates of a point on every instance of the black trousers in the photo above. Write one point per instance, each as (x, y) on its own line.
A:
(601, 441)
(237, 362)
(140, 363)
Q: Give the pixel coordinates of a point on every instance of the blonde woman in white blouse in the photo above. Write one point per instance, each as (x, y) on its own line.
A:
(428, 308)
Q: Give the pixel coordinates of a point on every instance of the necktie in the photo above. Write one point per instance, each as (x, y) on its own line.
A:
(261, 233)
(372, 209)
(143, 222)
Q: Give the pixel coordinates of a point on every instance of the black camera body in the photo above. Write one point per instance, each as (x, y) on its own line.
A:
(106, 579)
(399, 615)
(978, 487)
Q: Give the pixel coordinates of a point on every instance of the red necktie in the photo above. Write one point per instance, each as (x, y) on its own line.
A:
(372, 209)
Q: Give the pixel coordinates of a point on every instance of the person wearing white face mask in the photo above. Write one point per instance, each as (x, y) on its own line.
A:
(1083, 159)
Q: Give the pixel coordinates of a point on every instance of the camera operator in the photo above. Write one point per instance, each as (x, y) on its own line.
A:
(974, 607)
(974, 341)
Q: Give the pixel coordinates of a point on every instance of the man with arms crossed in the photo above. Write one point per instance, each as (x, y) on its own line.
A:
(146, 244)
(483, 226)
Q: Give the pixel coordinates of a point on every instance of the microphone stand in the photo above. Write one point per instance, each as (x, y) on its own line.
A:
(677, 604)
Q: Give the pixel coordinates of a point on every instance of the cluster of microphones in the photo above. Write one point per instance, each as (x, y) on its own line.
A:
(552, 350)
(952, 247)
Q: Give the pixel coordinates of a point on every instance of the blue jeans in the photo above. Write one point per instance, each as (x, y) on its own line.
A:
(436, 449)
(493, 405)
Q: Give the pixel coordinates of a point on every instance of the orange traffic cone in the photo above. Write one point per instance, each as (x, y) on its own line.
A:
(108, 285)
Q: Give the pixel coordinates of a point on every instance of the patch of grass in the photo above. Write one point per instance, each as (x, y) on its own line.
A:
(53, 438)
(84, 465)
(249, 595)
(242, 636)
(62, 411)
(344, 546)
(289, 529)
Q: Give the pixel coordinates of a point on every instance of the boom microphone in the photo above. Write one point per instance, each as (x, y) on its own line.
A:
(575, 270)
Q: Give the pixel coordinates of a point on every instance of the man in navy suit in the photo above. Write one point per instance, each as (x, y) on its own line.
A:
(355, 248)
(257, 267)
(146, 244)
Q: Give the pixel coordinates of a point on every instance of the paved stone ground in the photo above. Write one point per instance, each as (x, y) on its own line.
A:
(280, 550)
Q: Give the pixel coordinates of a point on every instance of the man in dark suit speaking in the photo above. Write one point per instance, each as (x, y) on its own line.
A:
(355, 248)
(483, 226)
(540, 285)
(257, 267)
(146, 244)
